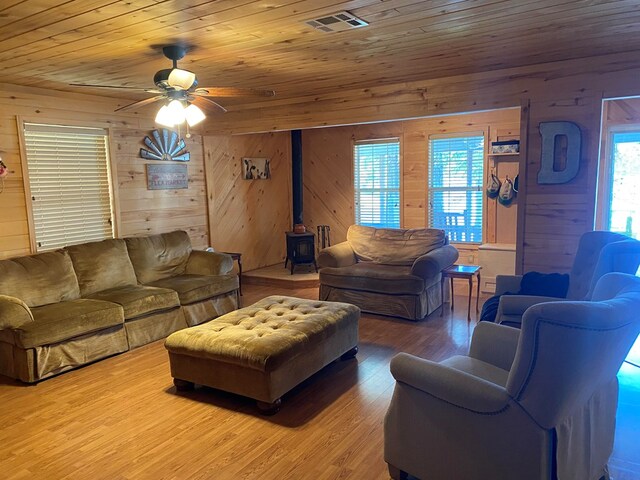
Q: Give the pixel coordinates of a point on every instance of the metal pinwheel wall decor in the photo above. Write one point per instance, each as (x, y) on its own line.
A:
(165, 145)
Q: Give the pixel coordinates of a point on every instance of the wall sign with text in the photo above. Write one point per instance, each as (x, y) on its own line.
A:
(167, 177)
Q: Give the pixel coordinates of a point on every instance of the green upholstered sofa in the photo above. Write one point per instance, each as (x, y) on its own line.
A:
(70, 307)
(387, 271)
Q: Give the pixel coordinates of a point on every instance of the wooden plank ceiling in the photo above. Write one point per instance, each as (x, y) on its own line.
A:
(266, 44)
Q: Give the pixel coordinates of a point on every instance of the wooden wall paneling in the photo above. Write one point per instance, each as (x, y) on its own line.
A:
(139, 210)
(328, 166)
(557, 215)
(249, 216)
(145, 212)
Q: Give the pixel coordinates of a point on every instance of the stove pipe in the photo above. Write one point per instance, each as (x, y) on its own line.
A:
(296, 175)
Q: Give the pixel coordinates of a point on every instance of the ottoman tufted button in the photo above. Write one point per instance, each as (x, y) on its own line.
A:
(280, 314)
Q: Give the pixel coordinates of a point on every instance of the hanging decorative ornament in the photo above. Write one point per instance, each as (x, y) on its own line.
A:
(165, 145)
(506, 192)
(493, 186)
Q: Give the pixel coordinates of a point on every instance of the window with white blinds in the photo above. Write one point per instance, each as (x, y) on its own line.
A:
(377, 183)
(69, 182)
(455, 190)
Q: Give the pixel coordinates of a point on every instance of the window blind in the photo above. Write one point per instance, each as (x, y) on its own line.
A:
(69, 181)
(377, 183)
(455, 190)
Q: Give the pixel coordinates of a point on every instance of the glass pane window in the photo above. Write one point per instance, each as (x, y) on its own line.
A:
(69, 183)
(455, 190)
(377, 183)
(624, 200)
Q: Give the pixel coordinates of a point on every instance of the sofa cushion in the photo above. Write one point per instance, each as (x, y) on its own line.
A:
(392, 246)
(64, 320)
(159, 256)
(102, 265)
(373, 277)
(39, 279)
(194, 288)
(139, 300)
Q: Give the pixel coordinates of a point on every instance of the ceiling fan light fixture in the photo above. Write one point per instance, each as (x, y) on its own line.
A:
(176, 110)
(164, 117)
(182, 79)
(193, 115)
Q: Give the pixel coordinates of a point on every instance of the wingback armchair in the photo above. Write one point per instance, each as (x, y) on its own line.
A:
(599, 252)
(536, 403)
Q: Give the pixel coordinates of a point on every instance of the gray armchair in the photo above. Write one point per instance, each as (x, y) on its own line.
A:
(598, 253)
(537, 403)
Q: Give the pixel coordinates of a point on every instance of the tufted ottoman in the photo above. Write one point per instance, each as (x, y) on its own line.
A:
(264, 350)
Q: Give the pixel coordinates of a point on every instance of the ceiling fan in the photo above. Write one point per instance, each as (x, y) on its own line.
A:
(179, 91)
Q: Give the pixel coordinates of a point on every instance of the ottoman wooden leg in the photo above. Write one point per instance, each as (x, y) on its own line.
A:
(269, 408)
(183, 385)
(350, 354)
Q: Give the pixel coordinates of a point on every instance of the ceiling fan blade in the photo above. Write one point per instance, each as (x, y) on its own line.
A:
(206, 102)
(232, 92)
(140, 89)
(141, 103)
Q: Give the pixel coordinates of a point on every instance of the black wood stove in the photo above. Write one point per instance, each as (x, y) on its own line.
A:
(301, 247)
(301, 250)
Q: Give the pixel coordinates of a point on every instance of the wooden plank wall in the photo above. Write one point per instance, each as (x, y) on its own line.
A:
(328, 171)
(141, 211)
(145, 212)
(554, 217)
(249, 216)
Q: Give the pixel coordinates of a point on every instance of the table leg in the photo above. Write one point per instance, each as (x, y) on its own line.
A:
(451, 281)
(469, 305)
(240, 272)
(478, 294)
(442, 295)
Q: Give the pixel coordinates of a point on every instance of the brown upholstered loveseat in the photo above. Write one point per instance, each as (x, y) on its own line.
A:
(387, 271)
(66, 308)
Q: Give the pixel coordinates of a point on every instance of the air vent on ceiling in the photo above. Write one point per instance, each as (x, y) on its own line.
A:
(337, 22)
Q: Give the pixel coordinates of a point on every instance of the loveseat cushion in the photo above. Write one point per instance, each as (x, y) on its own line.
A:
(159, 256)
(39, 279)
(102, 265)
(373, 277)
(194, 288)
(393, 246)
(139, 300)
(64, 320)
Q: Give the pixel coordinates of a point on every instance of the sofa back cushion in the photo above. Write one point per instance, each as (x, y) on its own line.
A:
(159, 256)
(39, 279)
(102, 265)
(393, 246)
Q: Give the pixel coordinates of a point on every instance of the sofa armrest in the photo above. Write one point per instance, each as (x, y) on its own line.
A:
(494, 344)
(339, 255)
(430, 264)
(209, 263)
(448, 384)
(513, 306)
(508, 283)
(13, 312)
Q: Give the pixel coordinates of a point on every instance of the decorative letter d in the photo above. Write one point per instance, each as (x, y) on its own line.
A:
(549, 132)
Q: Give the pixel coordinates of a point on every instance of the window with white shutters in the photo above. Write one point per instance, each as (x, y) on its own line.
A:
(377, 183)
(69, 183)
(455, 190)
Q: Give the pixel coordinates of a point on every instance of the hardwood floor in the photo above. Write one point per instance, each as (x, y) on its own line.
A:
(121, 418)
